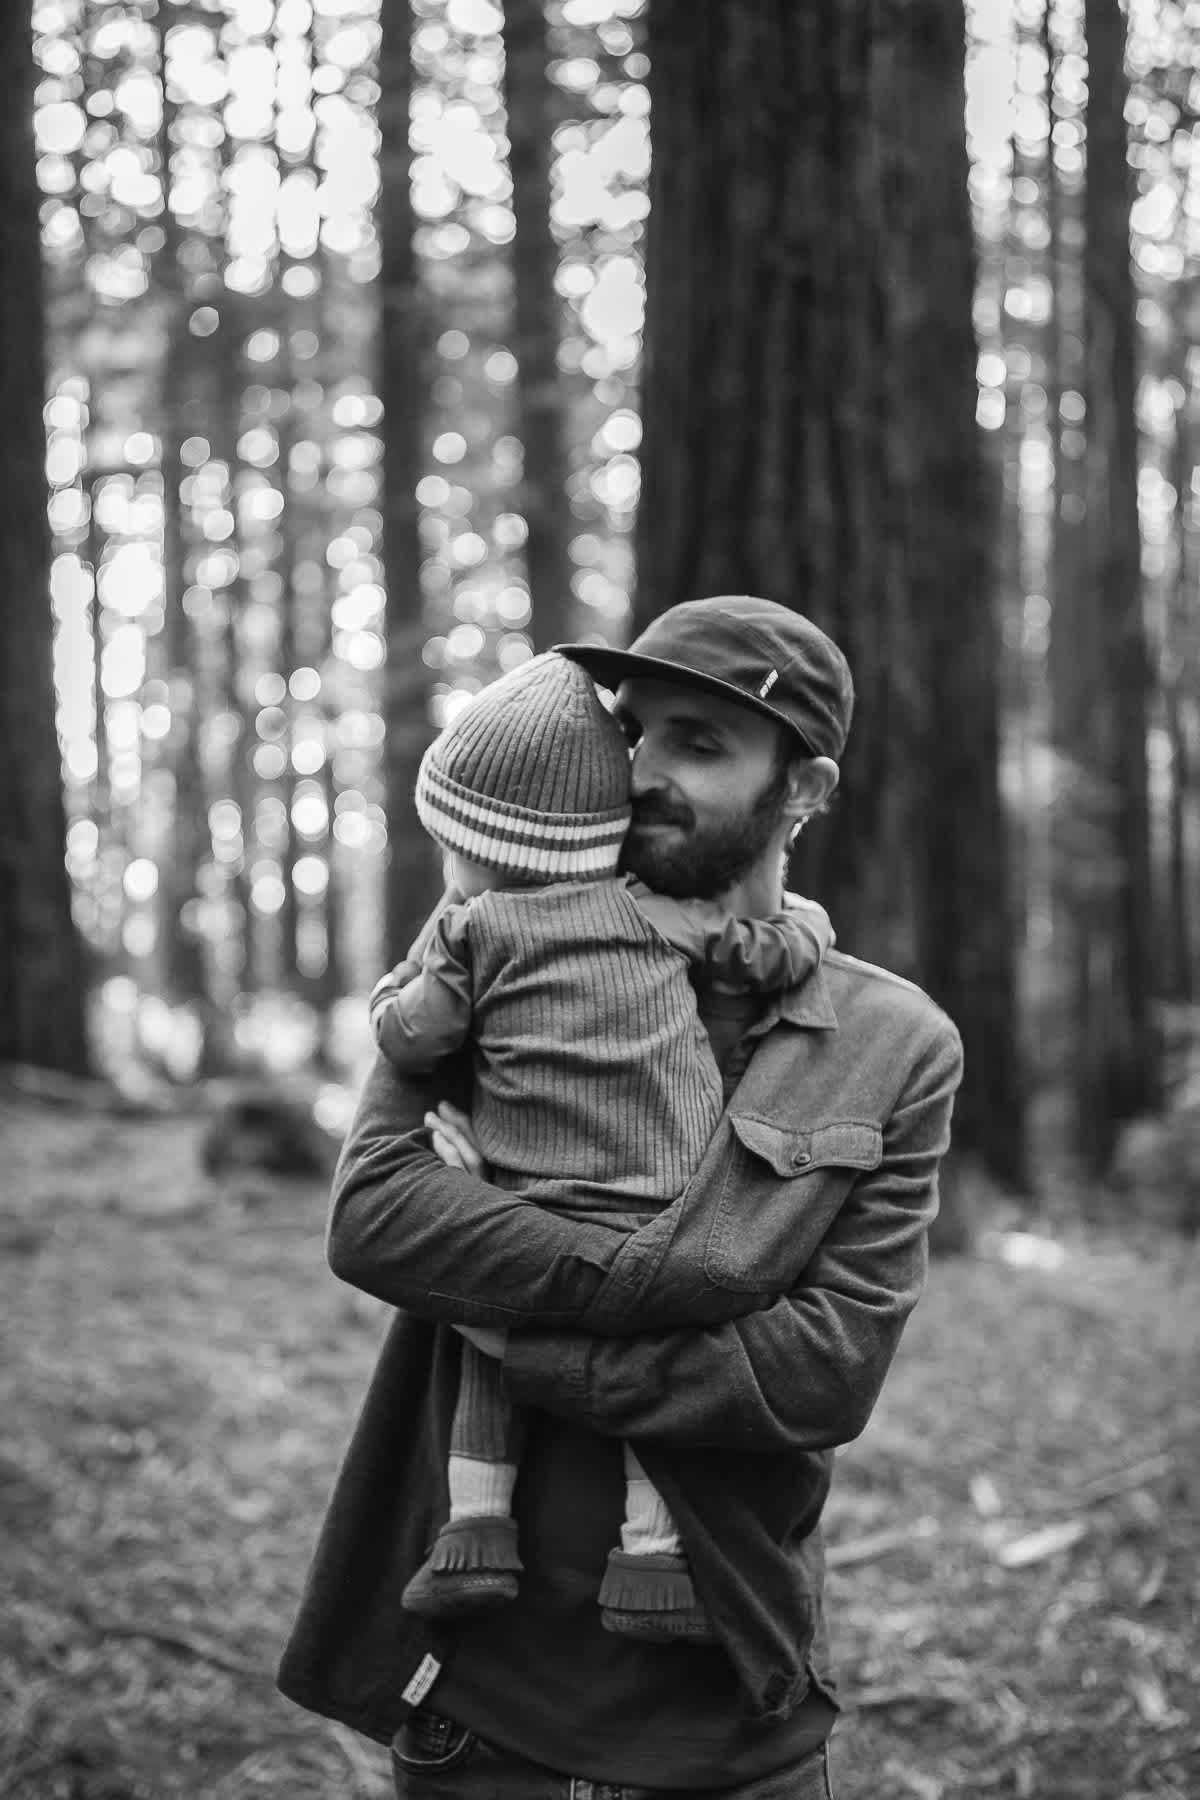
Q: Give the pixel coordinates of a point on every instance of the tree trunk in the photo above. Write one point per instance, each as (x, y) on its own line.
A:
(411, 880)
(1125, 1054)
(1179, 693)
(42, 976)
(184, 959)
(809, 435)
(542, 496)
(965, 912)
(289, 660)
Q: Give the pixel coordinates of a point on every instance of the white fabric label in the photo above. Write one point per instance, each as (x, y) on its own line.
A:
(427, 1672)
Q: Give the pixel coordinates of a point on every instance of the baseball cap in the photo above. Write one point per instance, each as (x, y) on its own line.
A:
(756, 652)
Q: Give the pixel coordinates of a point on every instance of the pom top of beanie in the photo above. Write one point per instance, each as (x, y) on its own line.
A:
(531, 778)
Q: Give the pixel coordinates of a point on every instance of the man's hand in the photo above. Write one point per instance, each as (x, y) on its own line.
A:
(491, 1339)
(455, 1142)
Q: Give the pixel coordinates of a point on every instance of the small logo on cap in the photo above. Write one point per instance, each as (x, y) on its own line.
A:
(768, 684)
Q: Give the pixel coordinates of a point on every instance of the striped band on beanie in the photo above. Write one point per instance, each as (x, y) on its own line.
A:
(531, 778)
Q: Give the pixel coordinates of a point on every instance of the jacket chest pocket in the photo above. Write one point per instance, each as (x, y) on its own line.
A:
(782, 1188)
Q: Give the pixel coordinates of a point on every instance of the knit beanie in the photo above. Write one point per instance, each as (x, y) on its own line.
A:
(531, 778)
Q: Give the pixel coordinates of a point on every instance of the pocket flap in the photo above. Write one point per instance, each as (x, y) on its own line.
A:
(849, 1143)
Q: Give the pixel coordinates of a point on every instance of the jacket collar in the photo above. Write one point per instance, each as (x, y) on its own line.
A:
(809, 1006)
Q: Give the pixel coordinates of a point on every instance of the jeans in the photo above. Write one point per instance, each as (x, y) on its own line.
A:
(435, 1759)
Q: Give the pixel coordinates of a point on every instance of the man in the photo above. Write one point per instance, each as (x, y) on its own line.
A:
(735, 1340)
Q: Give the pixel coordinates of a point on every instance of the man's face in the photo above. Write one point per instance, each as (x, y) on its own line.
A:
(709, 782)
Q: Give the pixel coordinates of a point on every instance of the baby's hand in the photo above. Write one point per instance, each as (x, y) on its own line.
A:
(455, 1142)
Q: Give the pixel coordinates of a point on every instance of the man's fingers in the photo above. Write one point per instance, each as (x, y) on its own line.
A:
(456, 1125)
(453, 1115)
(446, 1149)
(457, 1148)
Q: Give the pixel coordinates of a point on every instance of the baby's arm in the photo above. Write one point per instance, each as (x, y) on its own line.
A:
(420, 1012)
(759, 954)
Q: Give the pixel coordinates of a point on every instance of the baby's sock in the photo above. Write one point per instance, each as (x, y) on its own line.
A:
(480, 1490)
(649, 1529)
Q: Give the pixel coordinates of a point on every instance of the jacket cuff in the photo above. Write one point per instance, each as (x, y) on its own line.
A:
(547, 1368)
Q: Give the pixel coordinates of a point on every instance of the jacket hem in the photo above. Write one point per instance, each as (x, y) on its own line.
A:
(367, 1724)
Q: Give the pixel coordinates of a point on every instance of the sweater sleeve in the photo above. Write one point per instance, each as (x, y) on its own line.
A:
(421, 1012)
(761, 955)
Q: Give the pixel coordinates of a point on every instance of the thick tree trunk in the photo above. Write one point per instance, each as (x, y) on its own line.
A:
(809, 435)
(542, 496)
(412, 881)
(965, 914)
(42, 976)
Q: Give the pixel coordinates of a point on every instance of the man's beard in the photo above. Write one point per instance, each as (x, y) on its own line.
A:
(705, 861)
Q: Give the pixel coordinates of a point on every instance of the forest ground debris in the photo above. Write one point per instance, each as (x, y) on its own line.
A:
(180, 1374)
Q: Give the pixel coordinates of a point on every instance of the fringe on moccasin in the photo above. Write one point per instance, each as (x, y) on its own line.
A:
(652, 1598)
(472, 1568)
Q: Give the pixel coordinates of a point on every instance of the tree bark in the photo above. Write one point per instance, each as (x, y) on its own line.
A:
(542, 495)
(965, 926)
(1123, 1054)
(809, 434)
(42, 975)
(411, 882)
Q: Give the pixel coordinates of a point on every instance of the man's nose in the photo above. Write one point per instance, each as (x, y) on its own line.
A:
(645, 774)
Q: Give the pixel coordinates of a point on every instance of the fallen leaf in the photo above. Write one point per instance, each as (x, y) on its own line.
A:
(1036, 1546)
(1150, 1698)
(985, 1496)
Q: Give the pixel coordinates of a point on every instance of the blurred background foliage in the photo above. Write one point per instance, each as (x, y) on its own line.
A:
(350, 354)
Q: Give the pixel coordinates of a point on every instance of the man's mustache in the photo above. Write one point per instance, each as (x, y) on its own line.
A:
(655, 809)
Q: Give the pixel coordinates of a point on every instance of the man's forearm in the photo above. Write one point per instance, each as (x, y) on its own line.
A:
(799, 1373)
(783, 1378)
(440, 1243)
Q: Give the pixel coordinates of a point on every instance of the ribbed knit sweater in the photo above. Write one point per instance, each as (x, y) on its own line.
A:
(594, 1080)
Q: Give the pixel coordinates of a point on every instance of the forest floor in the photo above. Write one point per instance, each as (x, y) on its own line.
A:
(1015, 1541)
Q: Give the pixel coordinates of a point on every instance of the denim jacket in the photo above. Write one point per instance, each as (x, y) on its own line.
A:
(736, 1339)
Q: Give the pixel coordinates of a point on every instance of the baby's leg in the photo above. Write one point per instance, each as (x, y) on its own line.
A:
(484, 1442)
(474, 1564)
(647, 1589)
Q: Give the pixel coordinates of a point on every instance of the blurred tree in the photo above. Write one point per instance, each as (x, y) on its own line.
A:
(1181, 675)
(184, 967)
(41, 960)
(809, 402)
(236, 680)
(537, 325)
(1117, 1065)
(411, 883)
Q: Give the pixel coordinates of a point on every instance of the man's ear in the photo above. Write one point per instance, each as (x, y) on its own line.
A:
(811, 784)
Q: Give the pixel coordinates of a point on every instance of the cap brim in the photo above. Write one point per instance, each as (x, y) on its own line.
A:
(611, 667)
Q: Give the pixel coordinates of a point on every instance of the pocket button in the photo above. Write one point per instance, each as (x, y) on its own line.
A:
(800, 1158)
